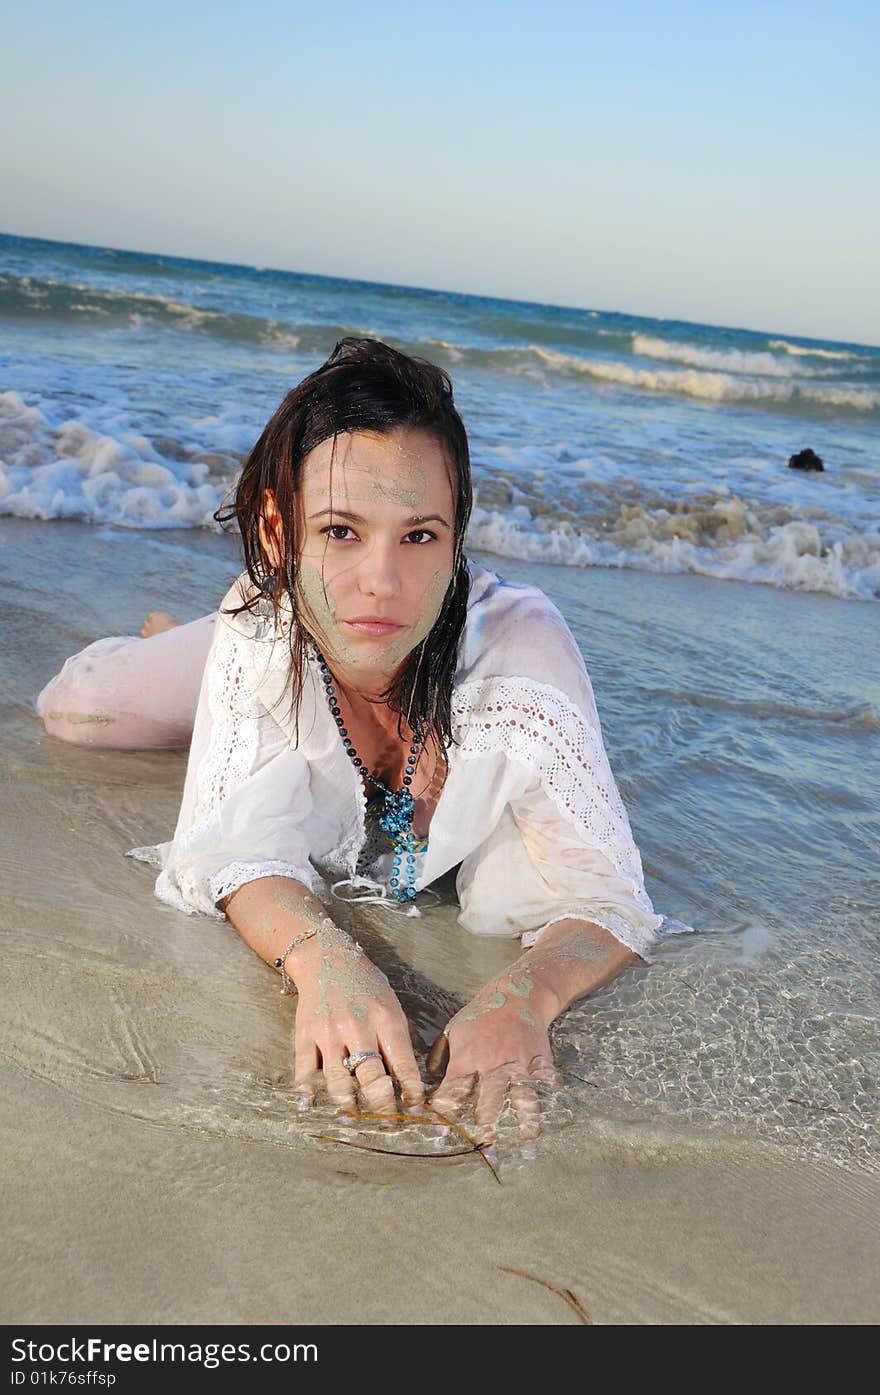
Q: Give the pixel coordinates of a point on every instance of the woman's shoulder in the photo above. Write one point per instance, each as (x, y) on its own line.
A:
(517, 651)
(513, 629)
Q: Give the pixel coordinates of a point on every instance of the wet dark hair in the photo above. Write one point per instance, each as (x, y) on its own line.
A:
(365, 385)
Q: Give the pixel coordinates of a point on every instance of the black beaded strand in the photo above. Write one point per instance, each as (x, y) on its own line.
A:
(396, 820)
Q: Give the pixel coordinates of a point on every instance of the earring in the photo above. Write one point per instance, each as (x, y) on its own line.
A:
(266, 607)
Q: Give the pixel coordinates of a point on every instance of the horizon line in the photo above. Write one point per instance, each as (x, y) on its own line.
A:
(437, 290)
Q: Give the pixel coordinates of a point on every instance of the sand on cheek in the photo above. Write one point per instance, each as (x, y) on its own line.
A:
(321, 608)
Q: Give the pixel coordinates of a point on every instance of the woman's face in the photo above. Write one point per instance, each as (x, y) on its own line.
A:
(381, 546)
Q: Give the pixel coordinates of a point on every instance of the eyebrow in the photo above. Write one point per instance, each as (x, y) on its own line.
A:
(356, 517)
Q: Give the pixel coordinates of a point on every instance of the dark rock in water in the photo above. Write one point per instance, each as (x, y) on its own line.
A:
(806, 460)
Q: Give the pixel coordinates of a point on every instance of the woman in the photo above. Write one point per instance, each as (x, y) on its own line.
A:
(372, 708)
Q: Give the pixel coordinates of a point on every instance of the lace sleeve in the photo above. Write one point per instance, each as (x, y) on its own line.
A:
(564, 846)
(246, 798)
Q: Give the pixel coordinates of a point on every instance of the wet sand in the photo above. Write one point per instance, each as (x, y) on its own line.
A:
(154, 1170)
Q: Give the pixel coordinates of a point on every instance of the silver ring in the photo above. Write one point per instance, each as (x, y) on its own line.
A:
(351, 1063)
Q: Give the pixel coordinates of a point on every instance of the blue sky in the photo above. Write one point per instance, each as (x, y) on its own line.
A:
(666, 159)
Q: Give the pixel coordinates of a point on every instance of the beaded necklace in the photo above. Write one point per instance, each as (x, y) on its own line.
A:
(396, 818)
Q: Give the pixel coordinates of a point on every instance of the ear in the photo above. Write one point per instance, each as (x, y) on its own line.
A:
(271, 530)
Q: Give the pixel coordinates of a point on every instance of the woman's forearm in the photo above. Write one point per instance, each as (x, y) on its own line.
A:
(572, 958)
(269, 912)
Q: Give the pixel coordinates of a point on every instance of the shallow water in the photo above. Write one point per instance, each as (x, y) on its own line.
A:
(744, 740)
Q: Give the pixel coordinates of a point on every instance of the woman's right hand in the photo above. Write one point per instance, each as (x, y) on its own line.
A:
(346, 1005)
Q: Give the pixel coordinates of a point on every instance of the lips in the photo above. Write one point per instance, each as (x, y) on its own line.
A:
(367, 626)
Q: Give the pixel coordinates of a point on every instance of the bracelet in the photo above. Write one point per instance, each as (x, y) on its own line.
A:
(287, 984)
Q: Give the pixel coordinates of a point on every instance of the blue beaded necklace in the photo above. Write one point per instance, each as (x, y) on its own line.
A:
(396, 819)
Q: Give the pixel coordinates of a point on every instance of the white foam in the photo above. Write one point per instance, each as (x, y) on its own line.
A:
(73, 471)
(786, 348)
(725, 540)
(727, 360)
(811, 533)
(455, 351)
(713, 387)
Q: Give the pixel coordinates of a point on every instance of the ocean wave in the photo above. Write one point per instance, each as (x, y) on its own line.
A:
(68, 469)
(710, 387)
(799, 349)
(728, 539)
(72, 471)
(32, 297)
(792, 389)
(864, 715)
(455, 352)
(707, 375)
(760, 364)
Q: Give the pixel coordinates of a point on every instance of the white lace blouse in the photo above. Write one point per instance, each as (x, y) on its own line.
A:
(530, 809)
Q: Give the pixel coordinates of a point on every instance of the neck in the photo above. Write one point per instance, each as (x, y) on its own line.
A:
(360, 688)
(360, 685)
(362, 698)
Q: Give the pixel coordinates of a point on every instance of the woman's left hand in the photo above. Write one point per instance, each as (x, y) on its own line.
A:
(497, 1044)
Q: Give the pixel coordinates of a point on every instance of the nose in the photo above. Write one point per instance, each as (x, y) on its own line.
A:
(380, 570)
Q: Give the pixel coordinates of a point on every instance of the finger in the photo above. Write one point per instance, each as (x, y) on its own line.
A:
(527, 1108)
(305, 1089)
(402, 1064)
(438, 1056)
(306, 1073)
(525, 1101)
(491, 1090)
(452, 1094)
(340, 1082)
(376, 1086)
